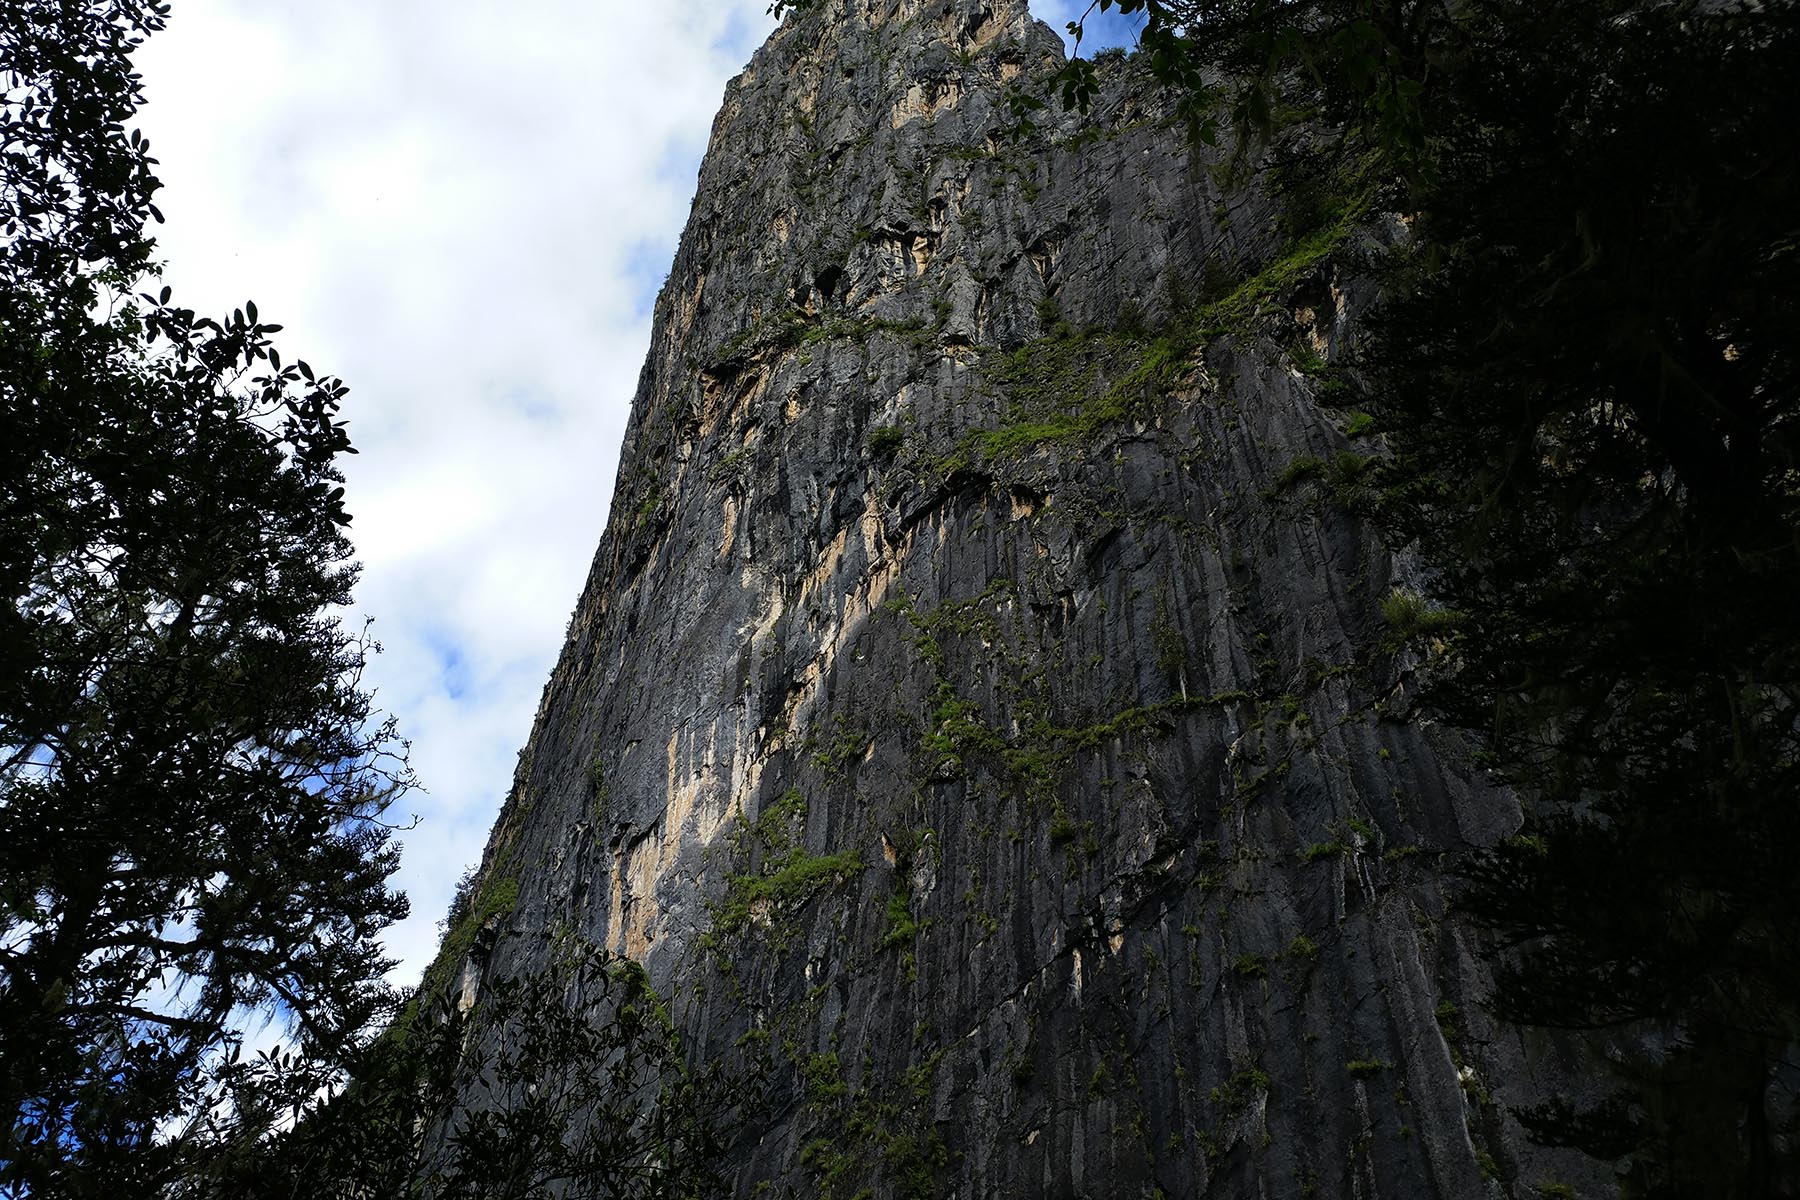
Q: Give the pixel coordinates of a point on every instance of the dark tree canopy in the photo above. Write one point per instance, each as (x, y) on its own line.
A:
(568, 1082)
(1584, 371)
(1587, 373)
(191, 773)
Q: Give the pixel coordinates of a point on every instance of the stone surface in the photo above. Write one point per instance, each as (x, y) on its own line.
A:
(958, 698)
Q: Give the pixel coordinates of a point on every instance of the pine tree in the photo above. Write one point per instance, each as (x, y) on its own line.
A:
(191, 773)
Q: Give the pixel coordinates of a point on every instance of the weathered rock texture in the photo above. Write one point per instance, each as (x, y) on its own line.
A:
(959, 707)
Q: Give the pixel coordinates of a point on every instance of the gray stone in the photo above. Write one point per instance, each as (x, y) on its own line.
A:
(1110, 713)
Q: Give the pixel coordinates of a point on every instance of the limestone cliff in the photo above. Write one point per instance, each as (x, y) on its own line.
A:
(965, 705)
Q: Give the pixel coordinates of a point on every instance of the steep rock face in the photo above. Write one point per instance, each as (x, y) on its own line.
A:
(960, 713)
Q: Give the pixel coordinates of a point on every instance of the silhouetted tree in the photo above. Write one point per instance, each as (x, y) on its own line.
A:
(191, 774)
(570, 1082)
(1584, 367)
(1587, 373)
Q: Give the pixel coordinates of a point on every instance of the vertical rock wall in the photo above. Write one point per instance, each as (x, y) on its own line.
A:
(962, 714)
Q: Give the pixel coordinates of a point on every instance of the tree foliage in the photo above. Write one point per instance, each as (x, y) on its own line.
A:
(1584, 369)
(1254, 67)
(1587, 373)
(570, 1081)
(191, 773)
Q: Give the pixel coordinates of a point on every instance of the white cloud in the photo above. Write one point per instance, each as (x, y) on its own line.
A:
(463, 209)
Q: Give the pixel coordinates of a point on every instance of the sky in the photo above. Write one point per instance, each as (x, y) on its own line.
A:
(465, 210)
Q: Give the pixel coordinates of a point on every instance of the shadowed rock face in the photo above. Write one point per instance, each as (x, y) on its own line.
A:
(956, 698)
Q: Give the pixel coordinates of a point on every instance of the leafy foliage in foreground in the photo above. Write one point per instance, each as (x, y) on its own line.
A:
(191, 774)
(1585, 371)
(569, 1082)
